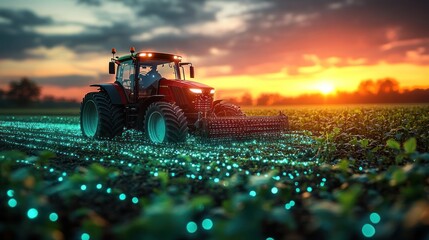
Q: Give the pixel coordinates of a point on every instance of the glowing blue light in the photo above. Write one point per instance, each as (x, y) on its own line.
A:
(60, 179)
(109, 190)
(135, 200)
(83, 187)
(53, 217)
(191, 227)
(287, 206)
(252, 193)
(297, 190)
(216, 180)
(32, 213)
(374, 217)
(270, 238)
(274, 190)
(122, 196)
(10, 193)
(85, 236)
(309, 189)
(99, 186)
(292, 203)
(12, 203)
(207, 224)
(368, 230)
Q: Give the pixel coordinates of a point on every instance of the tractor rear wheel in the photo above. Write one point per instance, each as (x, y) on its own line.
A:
(226, 109)
(165, 122)
(99, 118)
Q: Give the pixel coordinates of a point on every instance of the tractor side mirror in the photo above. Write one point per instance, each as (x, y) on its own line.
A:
(111, 68)
(191, 72)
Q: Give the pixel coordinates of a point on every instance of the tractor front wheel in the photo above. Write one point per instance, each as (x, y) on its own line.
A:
(226, 109)
(99, 118)
(165, 122)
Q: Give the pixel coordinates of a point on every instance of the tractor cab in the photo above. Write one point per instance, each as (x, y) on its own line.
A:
(140, 73)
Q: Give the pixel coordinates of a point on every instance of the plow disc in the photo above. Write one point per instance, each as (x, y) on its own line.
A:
(242, 127)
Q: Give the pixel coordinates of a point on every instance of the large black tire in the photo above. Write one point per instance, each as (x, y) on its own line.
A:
(226, 109)
(100, 119)
(165, 122)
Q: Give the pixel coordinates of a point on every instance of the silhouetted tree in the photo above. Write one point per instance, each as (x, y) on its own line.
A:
(246, 99)
(367, 87)
(387, 85)
(23, 92)
(2, 94)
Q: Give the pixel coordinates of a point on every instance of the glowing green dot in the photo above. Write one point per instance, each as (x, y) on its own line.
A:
(10, 192)
(292, 203)
(309, 189)
(368, 230)
(191, 227)
(274, 190)
(32, 213)
(207, 224)
(53, 217)
(135, 200)
(297, 190)
(270, 238)
(85, 236)
(287, 206)
(12, 203)
(60, 179)
(109, 190)
(122, 196)
(99, 186)
(375, 218)
(252, 193)
(83, 187)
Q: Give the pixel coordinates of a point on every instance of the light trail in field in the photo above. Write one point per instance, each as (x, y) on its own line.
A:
(291, 155)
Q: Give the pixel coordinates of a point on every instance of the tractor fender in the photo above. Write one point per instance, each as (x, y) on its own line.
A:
(115, 91)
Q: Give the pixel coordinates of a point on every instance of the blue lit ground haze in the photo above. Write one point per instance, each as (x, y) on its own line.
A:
(216, 163)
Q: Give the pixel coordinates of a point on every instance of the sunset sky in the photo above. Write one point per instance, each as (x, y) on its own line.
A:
(288, 47)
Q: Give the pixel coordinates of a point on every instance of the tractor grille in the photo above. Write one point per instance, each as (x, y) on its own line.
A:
(203, 102)
(179, 96)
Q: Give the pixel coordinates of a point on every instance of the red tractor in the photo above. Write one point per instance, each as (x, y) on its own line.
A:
(150, 94)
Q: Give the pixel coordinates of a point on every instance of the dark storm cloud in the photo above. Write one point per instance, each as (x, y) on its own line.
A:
(277, 35)
(348, 30)
(175, 12)
(16, 35)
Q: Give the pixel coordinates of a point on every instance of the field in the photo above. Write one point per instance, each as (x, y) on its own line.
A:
(347, 172)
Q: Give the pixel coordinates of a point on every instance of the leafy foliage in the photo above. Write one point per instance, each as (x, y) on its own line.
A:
(340, 173)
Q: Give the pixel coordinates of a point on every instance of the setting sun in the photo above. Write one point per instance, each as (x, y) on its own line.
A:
(326, 88)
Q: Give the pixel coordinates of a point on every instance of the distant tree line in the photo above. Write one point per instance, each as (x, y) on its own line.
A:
(381, 91)
(26, 93)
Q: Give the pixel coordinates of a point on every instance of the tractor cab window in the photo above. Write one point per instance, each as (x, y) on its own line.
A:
(151, 72)
(126, 75)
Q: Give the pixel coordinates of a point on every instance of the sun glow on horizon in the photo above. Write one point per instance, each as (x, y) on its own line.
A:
(326, 88)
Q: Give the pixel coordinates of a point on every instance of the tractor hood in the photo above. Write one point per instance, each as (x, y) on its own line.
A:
(184, 84)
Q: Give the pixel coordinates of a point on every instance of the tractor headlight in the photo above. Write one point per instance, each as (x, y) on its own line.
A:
(212, 91)
(196, 90)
